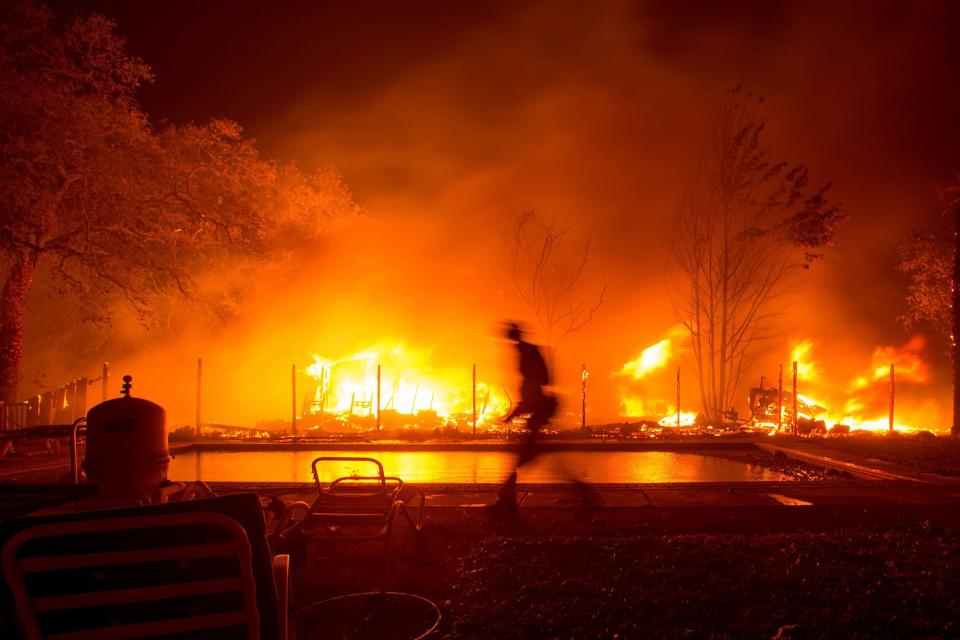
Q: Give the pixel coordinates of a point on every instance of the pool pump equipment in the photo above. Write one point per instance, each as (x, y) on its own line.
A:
(127, 451)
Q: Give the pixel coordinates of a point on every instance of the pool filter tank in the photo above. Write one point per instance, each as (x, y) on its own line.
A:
(127, 452)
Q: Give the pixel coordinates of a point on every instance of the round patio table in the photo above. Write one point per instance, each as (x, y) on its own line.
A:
(370, 615)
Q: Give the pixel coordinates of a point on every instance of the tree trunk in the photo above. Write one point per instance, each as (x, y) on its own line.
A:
(955, 312)
(11, 325)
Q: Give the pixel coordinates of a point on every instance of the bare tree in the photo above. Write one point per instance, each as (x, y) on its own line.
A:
(745, 229)
(548, 268)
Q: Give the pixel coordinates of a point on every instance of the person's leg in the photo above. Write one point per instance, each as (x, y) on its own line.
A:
(530, 448)
(528, 451)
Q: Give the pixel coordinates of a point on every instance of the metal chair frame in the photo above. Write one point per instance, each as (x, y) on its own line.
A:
(16, 571)
(349, 508)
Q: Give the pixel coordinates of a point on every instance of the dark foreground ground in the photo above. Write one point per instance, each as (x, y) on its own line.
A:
(855, 560)
(830, 556)
(848, 583)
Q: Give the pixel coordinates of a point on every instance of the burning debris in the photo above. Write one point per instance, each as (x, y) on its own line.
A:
(867, 401)
(804, 395)
(394, 387)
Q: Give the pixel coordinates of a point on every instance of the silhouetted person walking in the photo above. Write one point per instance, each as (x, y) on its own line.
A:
(534, 402)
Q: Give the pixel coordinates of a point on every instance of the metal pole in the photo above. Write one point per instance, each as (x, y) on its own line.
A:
(678, 397)
(323, 405)
(83, 387)
(795, 418)
(584, 374)
(74, 466)
(293, 404)
(105, 380)
(780, 398)
(72, 399)
(761, 404)
(892, 393)
(199, 388)
(474, 399)
(378, 397)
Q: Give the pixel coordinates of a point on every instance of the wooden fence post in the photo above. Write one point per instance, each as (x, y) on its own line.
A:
(82, 386)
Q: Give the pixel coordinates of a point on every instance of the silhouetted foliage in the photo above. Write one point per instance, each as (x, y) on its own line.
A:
(926, 256)
(931, 259)
(105, 206)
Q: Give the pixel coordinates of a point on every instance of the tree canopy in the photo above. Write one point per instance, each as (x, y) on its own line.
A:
(109, 206)
(926, 257)
(931, 260)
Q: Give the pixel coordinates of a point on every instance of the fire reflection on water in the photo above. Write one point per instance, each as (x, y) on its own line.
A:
(467, 466)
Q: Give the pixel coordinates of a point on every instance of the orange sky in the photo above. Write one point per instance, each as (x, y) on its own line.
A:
(447, 118)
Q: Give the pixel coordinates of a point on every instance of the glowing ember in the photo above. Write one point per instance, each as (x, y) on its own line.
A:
(687, 419)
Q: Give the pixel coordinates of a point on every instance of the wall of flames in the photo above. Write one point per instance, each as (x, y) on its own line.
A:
(860, 400)
(409, 386)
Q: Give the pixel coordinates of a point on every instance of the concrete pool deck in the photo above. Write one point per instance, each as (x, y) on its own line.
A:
(547, 497)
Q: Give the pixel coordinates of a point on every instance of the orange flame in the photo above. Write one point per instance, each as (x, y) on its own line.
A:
(863, 401)
(802, 355)
(408, 386)
(637, 402)
(650, 359)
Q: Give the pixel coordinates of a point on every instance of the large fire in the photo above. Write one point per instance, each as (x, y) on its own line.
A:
(861, 401)
(654, 357)
(642, 396)
(411, 392)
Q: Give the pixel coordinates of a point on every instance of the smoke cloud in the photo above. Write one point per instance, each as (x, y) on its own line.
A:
(446, 122)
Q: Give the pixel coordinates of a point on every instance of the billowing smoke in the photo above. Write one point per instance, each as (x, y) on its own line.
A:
(590, 114)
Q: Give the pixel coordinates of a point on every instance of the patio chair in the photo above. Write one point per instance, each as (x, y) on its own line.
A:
(348, 508)
(198, 569)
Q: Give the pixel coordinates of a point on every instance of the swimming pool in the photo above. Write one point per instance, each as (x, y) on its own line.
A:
(482, 466)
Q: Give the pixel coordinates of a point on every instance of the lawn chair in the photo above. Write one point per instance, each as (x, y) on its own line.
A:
(354, 507)
(198, 569)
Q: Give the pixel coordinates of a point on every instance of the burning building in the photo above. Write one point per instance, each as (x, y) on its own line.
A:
(394, 387)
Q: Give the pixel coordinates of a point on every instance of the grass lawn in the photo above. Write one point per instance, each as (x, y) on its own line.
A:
(851, 583)
(927, 453)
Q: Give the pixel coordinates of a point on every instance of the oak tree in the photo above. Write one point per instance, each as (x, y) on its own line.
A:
(108, 207)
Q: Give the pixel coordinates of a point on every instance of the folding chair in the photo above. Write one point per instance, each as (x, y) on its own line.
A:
(354, 507)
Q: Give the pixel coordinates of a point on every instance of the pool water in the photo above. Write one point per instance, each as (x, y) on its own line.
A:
(467, 466)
